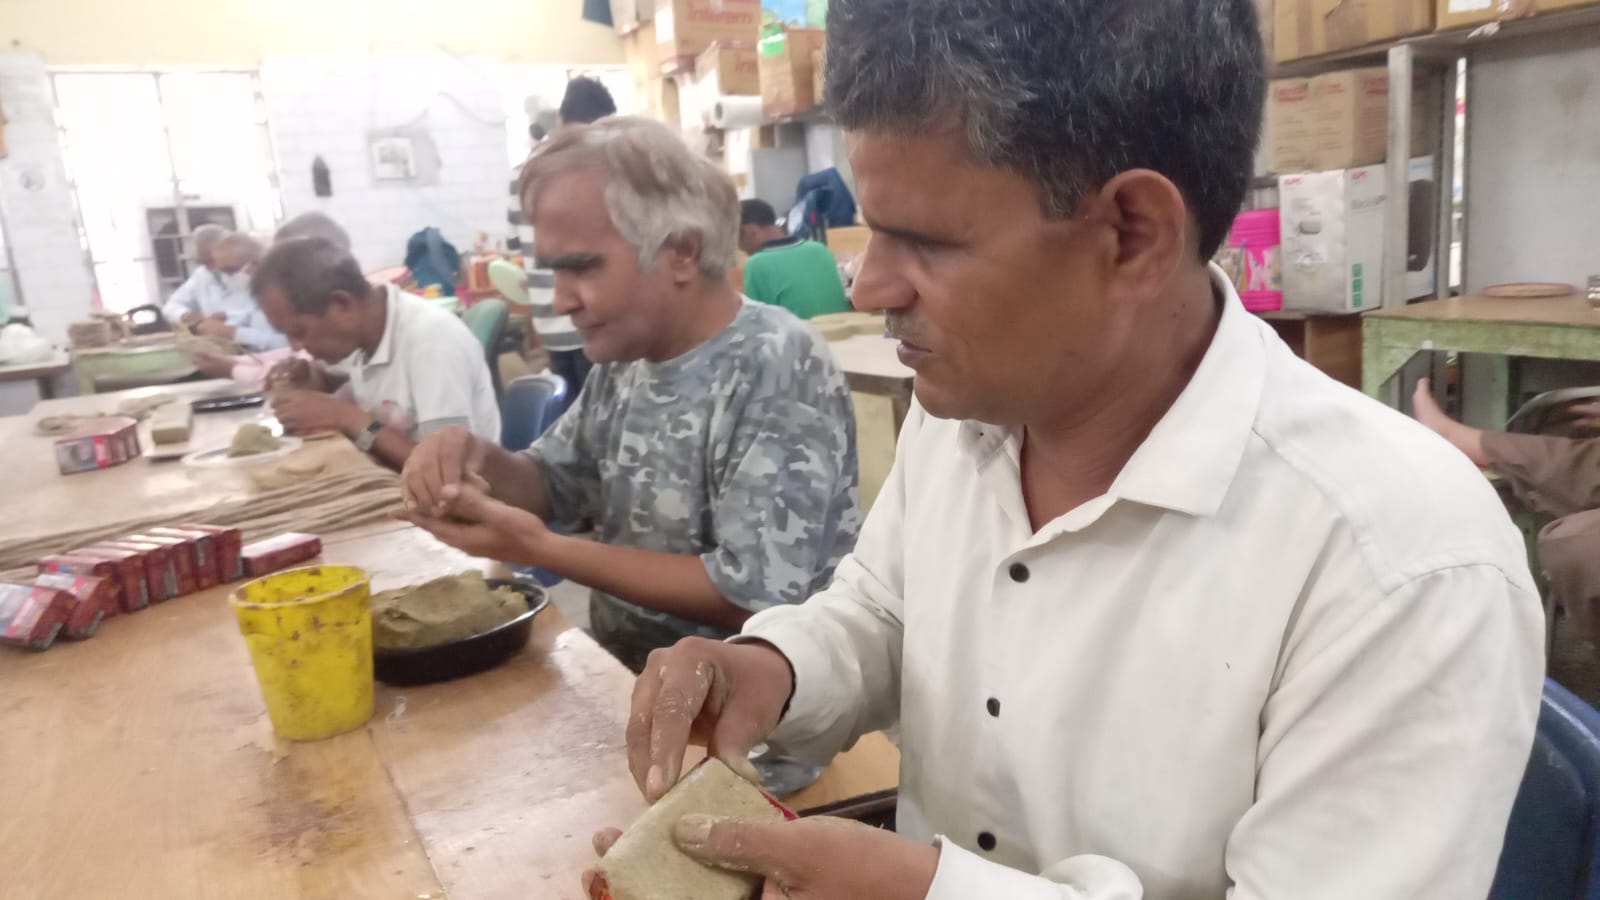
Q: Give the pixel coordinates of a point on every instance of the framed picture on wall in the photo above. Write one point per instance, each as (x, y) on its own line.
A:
(394, 158)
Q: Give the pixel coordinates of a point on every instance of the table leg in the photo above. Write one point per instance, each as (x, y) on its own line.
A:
(47, 387)
(1485, 390)
(1381, 360)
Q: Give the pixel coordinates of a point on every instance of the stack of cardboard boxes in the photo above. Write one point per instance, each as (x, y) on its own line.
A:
(1300, 29)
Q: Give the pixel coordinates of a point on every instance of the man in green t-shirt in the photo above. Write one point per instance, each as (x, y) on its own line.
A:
(799, 275)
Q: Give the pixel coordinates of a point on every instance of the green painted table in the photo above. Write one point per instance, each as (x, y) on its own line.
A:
(1493, 330)
(126, 360)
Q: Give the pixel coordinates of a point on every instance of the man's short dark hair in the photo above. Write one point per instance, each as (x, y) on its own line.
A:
(586, 100)
(757, 212)
(309, 270)
(1066, 93)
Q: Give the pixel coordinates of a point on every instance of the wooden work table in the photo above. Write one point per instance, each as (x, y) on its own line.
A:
(39, 500)
(1494, 329)
(141, 764)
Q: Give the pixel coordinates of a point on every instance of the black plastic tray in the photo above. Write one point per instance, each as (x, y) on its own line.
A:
(468, 655)
(223, 404)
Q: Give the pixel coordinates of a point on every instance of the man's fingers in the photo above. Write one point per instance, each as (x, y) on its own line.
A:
(604, 839)
(645, 689)
(684, 686)
(733, 844)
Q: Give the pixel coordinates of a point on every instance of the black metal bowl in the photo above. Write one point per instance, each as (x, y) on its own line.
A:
(469, 655)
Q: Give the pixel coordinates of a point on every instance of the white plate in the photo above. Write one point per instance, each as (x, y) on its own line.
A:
(217, 457)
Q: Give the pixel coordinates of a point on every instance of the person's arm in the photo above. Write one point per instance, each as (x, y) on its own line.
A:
(672, 583)
(184, 300)
(255, 333)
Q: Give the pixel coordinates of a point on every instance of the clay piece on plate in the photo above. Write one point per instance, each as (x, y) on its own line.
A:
(646, 864)
(252, 440)
(440, 611)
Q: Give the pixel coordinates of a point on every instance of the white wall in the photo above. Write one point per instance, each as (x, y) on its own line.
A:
(454, 107)
(37, 202)
(1533, 161)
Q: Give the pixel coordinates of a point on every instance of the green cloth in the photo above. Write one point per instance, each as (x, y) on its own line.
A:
(802, 277)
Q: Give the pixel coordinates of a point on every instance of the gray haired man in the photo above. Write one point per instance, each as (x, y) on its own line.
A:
(1160, 610)
(714, 444)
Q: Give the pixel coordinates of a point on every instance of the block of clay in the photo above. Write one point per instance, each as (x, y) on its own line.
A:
(172, 423)
(645, 863)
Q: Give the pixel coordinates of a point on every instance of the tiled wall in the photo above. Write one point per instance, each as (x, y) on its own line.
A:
(41, 225)
(454, 108)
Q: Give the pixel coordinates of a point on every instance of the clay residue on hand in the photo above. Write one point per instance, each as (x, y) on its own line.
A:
(440, 611)
(252, 439)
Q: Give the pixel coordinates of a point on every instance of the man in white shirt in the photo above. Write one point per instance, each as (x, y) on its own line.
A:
(1159, 610)
(215, 301)
(407, 368)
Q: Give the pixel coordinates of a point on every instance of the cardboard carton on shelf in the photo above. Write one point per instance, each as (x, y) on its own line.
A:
(819, 68)
(1350, 118)
(687, 28)
(787, 86)
(1289, 144)
(1305, 28)
(1332, 240)
(729, 68)
(628, 15)
(1468, 13)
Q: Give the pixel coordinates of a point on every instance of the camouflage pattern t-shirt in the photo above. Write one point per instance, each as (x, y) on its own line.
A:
(741, 451)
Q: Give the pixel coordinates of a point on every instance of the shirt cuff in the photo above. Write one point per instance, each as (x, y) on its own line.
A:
(813, 706)
(962, 875)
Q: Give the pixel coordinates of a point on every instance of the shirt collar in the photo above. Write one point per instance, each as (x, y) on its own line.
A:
(787, 240)
(385, 351)
(1188, 461)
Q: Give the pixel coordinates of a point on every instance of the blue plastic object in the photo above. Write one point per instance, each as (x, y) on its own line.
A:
(532, 404)
(1552, 848)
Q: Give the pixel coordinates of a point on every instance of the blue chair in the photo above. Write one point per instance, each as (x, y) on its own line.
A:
(532, 404)
(1552, 849)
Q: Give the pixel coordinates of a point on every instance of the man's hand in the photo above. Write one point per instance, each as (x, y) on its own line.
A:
(810, 859)
(211, 364)
(439, 467)
(299, 373)
(482, 526)
(190, 319)
(216, 328)
(308, 412)
(727, 697)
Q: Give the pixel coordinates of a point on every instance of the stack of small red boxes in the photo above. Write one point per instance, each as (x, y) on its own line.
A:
(74, 592)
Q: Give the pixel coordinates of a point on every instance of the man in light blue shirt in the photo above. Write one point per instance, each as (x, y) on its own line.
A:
(215, 301)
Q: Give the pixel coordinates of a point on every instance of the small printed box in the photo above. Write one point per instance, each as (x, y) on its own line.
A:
(226, 545)
(204, 548)
(93, 600)
(90, 567)
(106, 443)
(160, 574)
(130, 570)
(281, 552)
(185, 558)
(32, 616)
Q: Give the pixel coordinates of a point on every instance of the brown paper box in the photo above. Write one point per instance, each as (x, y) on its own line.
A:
(728, 68)
(1466, 13)
(1290, 119)
(1303, 28)
(1350, 118)
(688, 27)
(786, 69)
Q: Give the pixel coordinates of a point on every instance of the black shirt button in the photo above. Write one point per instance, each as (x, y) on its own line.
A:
(986, 841)
(994, 707)
(1019, 573)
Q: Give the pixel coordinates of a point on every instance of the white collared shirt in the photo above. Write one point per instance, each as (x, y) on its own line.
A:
(1293, 653)
(428, 372)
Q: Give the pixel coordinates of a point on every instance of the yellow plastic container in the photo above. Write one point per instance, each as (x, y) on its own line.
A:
(310, 638)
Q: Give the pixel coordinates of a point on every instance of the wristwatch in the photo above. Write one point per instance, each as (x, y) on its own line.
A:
(368, 437)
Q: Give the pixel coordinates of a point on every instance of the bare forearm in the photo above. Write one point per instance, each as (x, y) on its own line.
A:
(514, 479)
(666, 582)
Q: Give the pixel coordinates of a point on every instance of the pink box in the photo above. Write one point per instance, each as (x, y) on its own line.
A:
(1251, 257)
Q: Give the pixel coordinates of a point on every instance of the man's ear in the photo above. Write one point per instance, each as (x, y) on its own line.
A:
(682, 257)
(344, 301)
(1149, 221)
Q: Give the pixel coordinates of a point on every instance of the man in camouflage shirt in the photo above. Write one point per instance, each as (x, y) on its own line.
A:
(714, 443)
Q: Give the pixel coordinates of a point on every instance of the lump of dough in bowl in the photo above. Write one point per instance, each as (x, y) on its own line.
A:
(440, 611)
